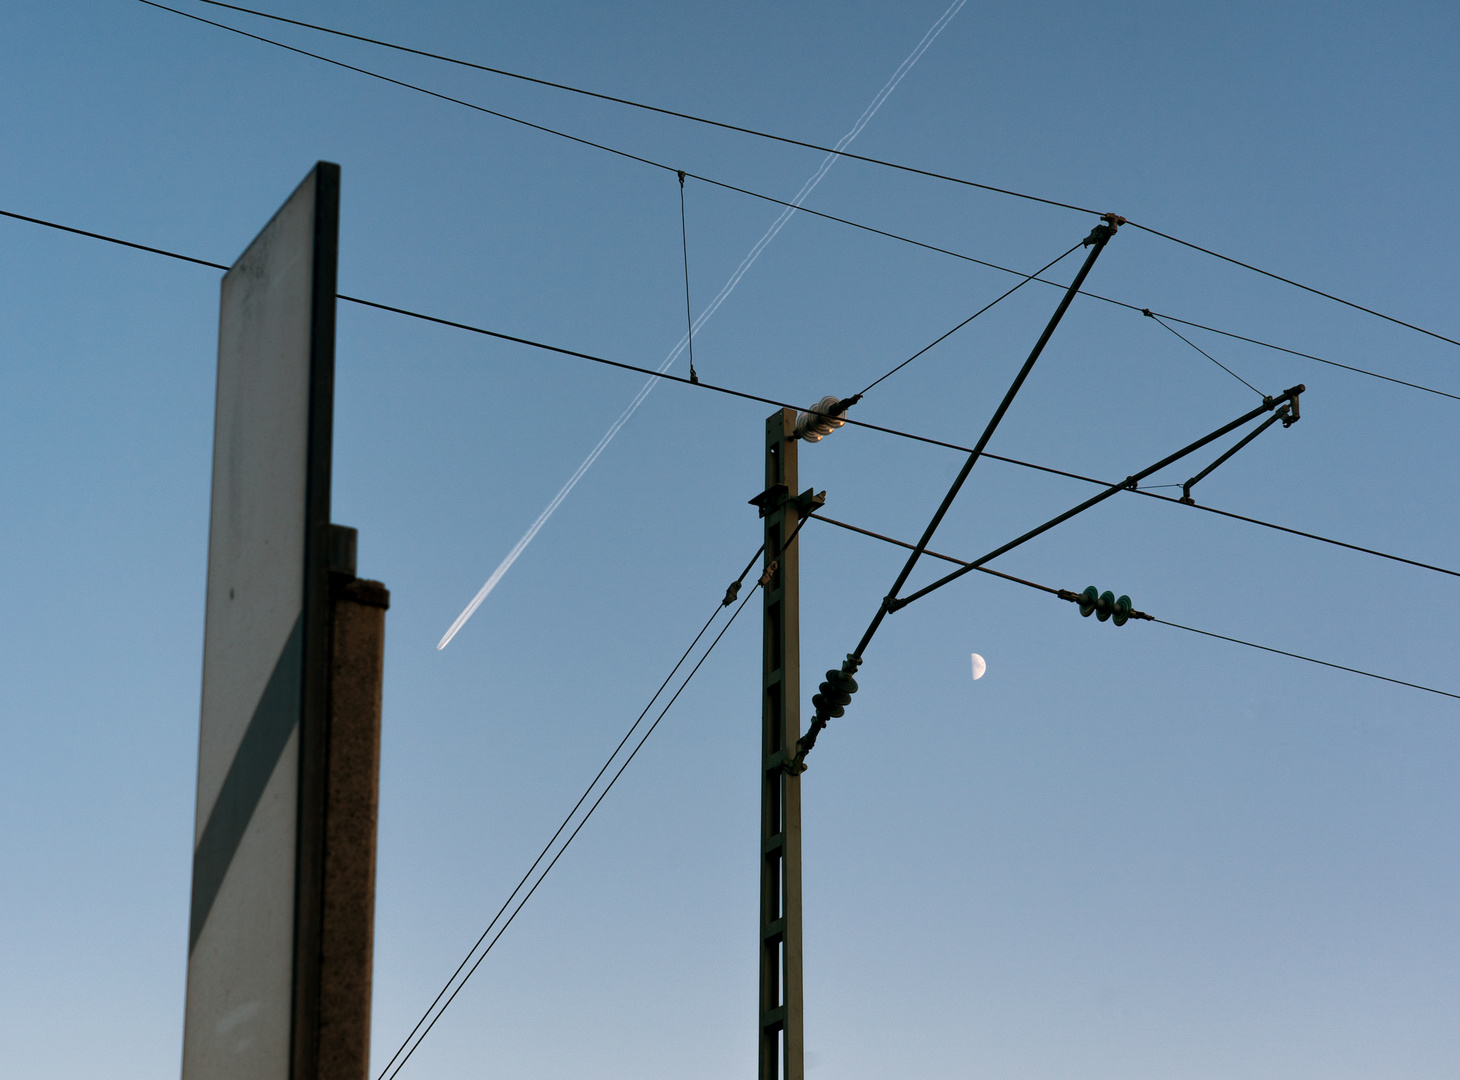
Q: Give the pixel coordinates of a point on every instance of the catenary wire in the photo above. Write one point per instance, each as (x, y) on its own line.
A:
(943, 337)
(543, 876)
(413, 86)
(1290, 352)
(1309, 659)
(1164, 622)
(1223, 513)
(800, 209)
(586, 792)
(772, 401)
(781, 139)
(1208, 355)
(111, 239)
(620, 101)
(1290, 281)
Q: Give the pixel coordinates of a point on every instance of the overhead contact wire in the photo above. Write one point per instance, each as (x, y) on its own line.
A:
(786, 140)
(929, 440)
(1164, 622)
(770, 199)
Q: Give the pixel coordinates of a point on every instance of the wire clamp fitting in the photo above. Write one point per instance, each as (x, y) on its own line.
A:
(1101, 233)
(770, 572)
(1293, 416)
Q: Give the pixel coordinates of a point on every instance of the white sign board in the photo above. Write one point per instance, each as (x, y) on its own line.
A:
(253, 937)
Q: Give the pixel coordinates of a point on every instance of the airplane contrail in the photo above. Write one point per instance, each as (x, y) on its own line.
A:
(714, 305)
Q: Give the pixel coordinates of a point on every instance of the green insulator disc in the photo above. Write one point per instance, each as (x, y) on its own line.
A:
(1091, 598)
(1122, 610)
(1106, 605)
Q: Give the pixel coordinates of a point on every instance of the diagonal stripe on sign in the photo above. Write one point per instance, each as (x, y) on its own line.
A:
(274, 720)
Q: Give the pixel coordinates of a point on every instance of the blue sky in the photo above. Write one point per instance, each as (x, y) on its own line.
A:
(1123, 853)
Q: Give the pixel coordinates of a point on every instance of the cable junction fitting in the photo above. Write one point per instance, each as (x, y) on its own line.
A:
(819, 421)
(1103, 232)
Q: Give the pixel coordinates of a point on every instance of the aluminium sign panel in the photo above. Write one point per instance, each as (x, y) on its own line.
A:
(253, 939)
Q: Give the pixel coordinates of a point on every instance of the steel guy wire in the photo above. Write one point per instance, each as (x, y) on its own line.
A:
(1027, 279)
(573, 835)
(929, 440)
(586, 792)
(1208, 355)
(1164, 622)
(791, 142)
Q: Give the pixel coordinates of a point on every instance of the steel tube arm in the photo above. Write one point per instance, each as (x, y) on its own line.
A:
(1128, 482)
(1281, 414)
(1098, 239)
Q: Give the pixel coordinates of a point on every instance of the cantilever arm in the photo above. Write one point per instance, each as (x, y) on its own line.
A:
(1281, 414)
(1128, 483)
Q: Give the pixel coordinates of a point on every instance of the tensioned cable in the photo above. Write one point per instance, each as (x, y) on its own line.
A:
(1285, 349)
(553, 839)
(788, 141)
(639, 746)
(1290, 281)
(751, 194)
(412, 86)
(782, 404)
(1164, 622)
(1208, 355)
(1214, 510)
(1309, 659)
(619, 101)
(111, 239)
(943, 337)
